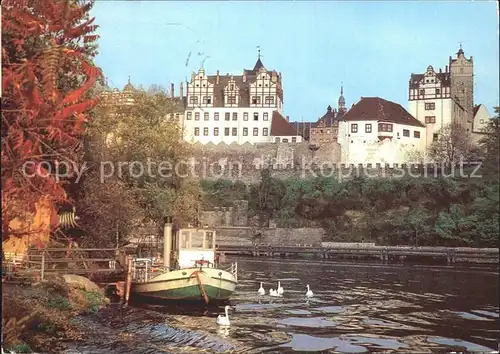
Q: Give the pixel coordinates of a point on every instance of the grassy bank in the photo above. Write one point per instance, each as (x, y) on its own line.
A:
(388, 211)
(38, 317)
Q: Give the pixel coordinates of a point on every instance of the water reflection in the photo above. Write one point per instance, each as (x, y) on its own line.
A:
(355, 309)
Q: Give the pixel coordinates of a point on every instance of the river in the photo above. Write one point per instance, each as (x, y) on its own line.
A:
(356, 308)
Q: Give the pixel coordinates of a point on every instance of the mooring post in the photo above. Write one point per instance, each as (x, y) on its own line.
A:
(43, 267)
(128, 282)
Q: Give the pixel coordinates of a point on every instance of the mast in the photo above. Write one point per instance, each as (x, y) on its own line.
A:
(167, 242)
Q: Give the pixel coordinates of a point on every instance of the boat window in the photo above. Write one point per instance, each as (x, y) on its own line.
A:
(209, 240)
(197, 239)
(184, 239)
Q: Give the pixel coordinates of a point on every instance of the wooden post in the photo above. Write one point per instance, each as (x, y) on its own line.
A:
(43, 266)
(128, 282)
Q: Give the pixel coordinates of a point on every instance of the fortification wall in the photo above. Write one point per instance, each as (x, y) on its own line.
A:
(245, 162)
(274, 236)
(285, 160)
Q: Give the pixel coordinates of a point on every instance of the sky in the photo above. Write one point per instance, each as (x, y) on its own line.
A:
(370, 47)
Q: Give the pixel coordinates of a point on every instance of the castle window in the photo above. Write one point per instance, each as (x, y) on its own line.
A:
(235, 131)
(255, 131)
(256, 116)
(266, 116)
(277, 140)
(265, 131)
(228, 116)
(406, 133)
(368, 128)
(294, 140)
(438, 91)
(245, 131)
(196, 131)
(197, 116)
(231, 87)
(422, 92)
(207, 99)
(245, 116)
(354, 128)
(256, 99)
(430, 106)
(216, 131)
(205, 131)
(416, 134)
(189, 115)
(285, 140)
(193, 99)
(235, 115)
(269, 99)
(435, 137)
(205, 115)
(384, 127)
(226, 131)
(216, 116)
(430, 119)
(231, 99)
(177, 116)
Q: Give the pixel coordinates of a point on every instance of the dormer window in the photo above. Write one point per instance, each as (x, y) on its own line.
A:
(231, 87)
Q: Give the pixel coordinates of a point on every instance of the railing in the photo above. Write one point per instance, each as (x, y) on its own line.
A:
(233, 269)
(384, 252)
(28, 268)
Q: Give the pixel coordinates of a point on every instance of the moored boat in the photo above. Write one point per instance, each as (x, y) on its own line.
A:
(195, 275)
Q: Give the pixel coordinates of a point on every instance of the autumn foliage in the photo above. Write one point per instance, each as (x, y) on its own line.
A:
(47, 72)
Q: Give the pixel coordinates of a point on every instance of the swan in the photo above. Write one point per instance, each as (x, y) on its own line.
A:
(309, 293)
(261, 290)
(273, 292)
(280, 289)
(224, 320)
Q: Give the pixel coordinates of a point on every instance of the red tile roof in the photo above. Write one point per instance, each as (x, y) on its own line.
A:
(476, 108)
(280, 127)
(376, 108)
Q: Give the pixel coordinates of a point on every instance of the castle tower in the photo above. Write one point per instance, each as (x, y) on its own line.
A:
(341, 102)
(462, 82)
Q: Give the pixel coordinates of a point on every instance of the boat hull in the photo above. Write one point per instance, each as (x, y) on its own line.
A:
(184, 284)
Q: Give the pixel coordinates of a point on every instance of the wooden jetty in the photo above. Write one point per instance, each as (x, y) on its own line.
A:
(384, 253)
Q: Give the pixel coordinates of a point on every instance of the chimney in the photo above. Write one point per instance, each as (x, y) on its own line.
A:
(181, 89)
(172, 90)
(440, 71)
(217, 79)
(287, 118)
(446, 70)
(244, 78)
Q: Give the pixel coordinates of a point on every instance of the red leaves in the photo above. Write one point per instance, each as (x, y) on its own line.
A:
(43, 116)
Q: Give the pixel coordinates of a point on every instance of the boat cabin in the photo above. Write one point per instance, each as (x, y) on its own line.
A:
(195, 247)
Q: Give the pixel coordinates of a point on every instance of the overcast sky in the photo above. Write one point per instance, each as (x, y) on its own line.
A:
(372, 47)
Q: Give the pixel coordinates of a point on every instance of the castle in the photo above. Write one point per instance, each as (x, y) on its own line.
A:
(245, 112)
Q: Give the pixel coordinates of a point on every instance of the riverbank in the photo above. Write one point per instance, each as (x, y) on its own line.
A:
(40, 317)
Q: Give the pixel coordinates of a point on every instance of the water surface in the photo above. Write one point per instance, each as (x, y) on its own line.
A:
(356, 308)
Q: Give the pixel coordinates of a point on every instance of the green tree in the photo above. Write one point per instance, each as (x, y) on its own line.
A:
(490, 143)
(154, 174)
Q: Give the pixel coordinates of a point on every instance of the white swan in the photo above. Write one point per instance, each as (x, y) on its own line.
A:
(273, 292)
(309, 293)
(224, 320)
(280, 289)
(261, 290)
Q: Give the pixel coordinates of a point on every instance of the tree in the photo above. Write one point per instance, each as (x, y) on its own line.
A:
(47, 72)
(451, 147)
(491, 141)
(152, 177)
